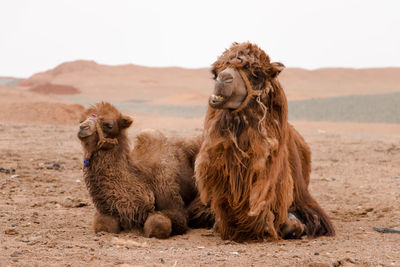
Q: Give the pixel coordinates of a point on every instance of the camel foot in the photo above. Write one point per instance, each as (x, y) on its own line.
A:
(157, 225)
(105, 223)
(293, 229)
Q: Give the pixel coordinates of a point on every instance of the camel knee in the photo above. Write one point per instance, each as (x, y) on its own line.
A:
(105, 223)
(293, 229)
(157, 225)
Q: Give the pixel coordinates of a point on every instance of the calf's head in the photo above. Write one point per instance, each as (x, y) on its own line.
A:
(101, 125)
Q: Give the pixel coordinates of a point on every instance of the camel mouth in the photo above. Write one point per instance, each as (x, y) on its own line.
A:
(84, 131)
(216, 101)
(82, 134)
(86, 128)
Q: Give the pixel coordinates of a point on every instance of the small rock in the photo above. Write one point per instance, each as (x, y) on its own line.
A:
(7, 171)
(208, 234)
(318, 264)
(81, 204)
(351, 260)
(74, 203)
(162, 260)
(387, 209)
(316, 253)
(128, 243)
(14, 176)
(51, 165)
(16, 254)
(10, 232)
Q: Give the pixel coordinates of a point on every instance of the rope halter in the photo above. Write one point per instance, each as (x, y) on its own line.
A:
(102, 139)
(251, 92)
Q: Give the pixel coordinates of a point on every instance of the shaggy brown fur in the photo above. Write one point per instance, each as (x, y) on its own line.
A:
(253, 167)
(150, 187)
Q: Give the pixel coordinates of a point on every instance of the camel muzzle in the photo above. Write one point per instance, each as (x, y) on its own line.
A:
(216, 101)
(86, 129)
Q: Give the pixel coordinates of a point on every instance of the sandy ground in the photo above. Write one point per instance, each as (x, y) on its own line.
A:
(46, 212)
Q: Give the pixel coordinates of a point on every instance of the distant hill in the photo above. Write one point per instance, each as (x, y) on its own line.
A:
(329, 82)
(128, 82)
(179, 86)
(155, 96)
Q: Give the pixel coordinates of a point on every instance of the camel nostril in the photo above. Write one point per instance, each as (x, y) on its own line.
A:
(84, 127)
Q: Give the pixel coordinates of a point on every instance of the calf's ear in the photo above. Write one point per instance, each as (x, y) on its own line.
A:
(124, 122)
(277, 67)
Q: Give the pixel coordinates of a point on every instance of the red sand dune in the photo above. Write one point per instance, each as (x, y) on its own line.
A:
(57, 89)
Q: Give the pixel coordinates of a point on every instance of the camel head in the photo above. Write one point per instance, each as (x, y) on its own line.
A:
(242, 71)
(101, 125)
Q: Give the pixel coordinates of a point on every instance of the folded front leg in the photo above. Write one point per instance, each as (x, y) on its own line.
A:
(105, 223)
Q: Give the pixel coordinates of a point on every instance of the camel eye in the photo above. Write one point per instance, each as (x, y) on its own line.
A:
(107, 126)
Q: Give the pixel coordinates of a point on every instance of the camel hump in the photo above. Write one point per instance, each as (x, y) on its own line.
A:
(150, 137)
(149, 143)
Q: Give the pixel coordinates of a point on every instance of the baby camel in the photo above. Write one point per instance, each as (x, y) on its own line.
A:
(150, 187)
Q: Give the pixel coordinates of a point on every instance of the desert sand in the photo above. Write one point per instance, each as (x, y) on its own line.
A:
(46, 211)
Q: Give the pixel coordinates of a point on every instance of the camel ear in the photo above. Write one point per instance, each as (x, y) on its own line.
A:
(124, 122)
(277, 67)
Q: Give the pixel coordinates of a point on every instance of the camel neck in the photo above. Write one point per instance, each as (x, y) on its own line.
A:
(104, 159)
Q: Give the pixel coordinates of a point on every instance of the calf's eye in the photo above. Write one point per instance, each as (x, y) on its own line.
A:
(107, 126)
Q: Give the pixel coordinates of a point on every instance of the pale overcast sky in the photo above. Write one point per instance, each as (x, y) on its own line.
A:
(37, 35)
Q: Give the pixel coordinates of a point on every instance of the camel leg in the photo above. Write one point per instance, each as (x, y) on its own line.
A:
(157, 225)
(164, 223)
(293, 229)
(200, 215)
(178, 219)
(105, 223)
(304, 205)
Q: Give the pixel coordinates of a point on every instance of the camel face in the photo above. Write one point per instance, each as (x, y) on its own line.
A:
(229, 91)
(87, 127)
(102, 120)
